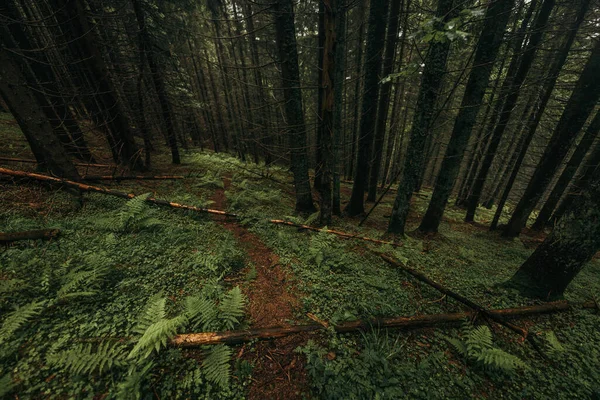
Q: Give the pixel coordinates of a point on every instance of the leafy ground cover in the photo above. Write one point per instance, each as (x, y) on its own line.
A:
(89, 315)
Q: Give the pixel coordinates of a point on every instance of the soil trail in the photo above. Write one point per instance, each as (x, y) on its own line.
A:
(278, 371)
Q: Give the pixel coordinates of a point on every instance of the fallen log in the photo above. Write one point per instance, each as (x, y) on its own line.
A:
(44, 234)
(124, 195)
(456, 296)
(111, 192)
(28, 161)
(414, 322)
(129, 177)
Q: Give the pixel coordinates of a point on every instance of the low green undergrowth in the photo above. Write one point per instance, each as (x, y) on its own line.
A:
(91, 313)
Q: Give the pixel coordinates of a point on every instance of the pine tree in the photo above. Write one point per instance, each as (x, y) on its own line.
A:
(496, 19)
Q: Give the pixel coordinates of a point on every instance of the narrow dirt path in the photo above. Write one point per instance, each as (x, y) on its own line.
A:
(278, 371)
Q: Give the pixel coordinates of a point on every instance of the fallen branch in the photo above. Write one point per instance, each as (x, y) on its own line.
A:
(415, 322)
(456, 296)
(124, 195)
(129, 177)
(44, 234)
(338, 233)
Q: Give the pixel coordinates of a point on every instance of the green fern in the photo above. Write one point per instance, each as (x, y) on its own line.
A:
(216, 365)
(156, 336)
(201, 312)
(11, 285)
(553, 346)
(6, 385)
(133, 216)
(478, 347)
(18, 318)
(232, 307)
(130, 388)
(153, 312)
(84, 360)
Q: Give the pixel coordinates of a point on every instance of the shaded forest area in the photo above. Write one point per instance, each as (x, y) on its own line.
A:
(299, 199)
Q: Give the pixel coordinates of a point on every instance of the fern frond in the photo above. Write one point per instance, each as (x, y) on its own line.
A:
(6, 385)
(132, 210)
(495, 358)
(11, 285)
(18, 318)
(156, 336)
(232, 307)
(201, 312)
(84, 360)
(129, 389)
(154, 312)
(553, 346)
(216, 365)
(478, 339)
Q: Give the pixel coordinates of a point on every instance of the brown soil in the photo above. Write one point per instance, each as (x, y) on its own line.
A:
(278, 371)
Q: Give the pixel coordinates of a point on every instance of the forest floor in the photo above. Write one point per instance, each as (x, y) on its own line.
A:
(114, 260)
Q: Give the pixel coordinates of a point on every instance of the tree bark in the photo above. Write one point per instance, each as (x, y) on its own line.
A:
(578, 108)
(572, 243)
(327, 88)
(433, 73)
(288, 57)
(496, 19)
(568, 173)
(384, 97)
(45, 145)
(340, 69)
(512, 95)
(373, 53)
(158, 80)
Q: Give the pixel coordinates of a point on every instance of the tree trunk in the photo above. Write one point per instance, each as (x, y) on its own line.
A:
(45, 145)
(572, 243)
(158, 79)
(433, 73)
(373, 53)
(496, 19)
(512, 95)
(340, 69)
(568, 173)
(288, 57)
(578, 108)
(327, 88)
(384, 97)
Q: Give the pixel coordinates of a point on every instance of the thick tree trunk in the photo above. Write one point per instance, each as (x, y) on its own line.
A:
(431, 81)
(373, 53)
(327, 88)
(580, 105)
(45, 145)
(512, 95)
(573, 242)
(496, 19)
(288, 57)
(384, 97)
